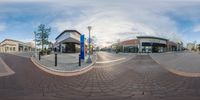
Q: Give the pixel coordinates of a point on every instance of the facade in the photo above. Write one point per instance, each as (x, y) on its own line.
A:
(130, 45)
(180, 46)
(146, 44)
(191, 46)
(10, 45)
(198, 47)
(152, 44)
(172, 46)
(68, 42)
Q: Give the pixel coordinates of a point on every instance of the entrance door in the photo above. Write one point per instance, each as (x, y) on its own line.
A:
(70, 48)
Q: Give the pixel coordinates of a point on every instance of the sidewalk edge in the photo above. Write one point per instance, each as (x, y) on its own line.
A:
(177, 72)
(63, 73)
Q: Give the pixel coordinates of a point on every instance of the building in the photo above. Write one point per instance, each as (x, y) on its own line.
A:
(152, 44)
(130, 45)
(172, 46)
(180, 46)
(191, 46)
(10, 45)
(146, 44)
(68, 42)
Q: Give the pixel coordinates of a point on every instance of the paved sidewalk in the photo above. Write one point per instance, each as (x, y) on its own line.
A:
(110, 57)
(4, 69)
(23, 54)
(65, 62)
(139, 78)
(185, 61)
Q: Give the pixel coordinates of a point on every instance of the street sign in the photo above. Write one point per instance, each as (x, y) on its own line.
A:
(82, 47)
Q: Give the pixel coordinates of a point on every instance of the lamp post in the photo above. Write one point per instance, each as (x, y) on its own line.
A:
(89, 59)
(35, 44)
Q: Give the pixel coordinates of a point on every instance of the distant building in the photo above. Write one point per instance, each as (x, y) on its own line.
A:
(198, 47)
(146, 44)
(180, 46)
(68, 42)
(191, 46)
(172, 46)
(10, 45)
(130, 45)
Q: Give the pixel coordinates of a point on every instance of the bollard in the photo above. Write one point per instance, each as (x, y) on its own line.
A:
(39, 56)
(79, 60)
(55, 59)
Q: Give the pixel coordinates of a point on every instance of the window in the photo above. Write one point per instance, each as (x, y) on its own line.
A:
(10, 48)
(13, 48)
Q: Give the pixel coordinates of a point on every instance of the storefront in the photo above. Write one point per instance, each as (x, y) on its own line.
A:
(131, 49)
(149, 44)
(68, 42)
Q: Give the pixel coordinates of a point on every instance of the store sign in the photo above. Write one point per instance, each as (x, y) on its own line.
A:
(82, 46)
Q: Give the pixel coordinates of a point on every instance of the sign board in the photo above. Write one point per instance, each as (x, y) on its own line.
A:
(82, 46)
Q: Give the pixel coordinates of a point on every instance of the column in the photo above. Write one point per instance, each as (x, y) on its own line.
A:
(140, 46)
(60, 47)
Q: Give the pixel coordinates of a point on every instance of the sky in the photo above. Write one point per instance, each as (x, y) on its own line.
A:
(111, 20)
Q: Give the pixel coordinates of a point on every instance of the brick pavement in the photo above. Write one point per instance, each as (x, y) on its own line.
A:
(139, 78)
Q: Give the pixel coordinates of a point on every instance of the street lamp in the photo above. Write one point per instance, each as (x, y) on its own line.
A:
(35, 44)
(89, 59)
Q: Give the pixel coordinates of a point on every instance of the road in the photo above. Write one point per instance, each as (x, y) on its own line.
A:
(138, 78)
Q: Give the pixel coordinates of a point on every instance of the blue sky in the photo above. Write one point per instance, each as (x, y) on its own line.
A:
(110, 20)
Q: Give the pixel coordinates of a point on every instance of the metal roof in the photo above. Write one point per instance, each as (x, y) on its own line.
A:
(153, 37)
(67, 31)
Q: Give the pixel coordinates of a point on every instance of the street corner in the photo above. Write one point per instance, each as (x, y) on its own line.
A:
(55, 70)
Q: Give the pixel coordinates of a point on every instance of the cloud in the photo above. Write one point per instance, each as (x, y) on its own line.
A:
(196, 28)
(2, 27)
(108, 21)
(114, 19)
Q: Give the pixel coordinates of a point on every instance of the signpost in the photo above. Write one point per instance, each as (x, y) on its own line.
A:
(82, 47)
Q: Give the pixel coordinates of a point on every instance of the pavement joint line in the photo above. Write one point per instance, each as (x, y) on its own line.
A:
(110, 61)
(177, 72)
(64, 73)
(8, 69)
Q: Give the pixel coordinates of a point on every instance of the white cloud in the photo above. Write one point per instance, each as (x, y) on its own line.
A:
(116, 19)
(196, 28)
(108, 21)
(2, 27)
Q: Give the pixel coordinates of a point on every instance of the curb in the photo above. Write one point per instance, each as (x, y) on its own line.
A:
(110, 61)
(7, 68)
(63, 73)
(17, 55)
(177, 72)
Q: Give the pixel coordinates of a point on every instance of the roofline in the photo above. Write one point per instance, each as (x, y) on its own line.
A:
(12, 40)
(129, 40)
(152, 37)
(67, 31)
